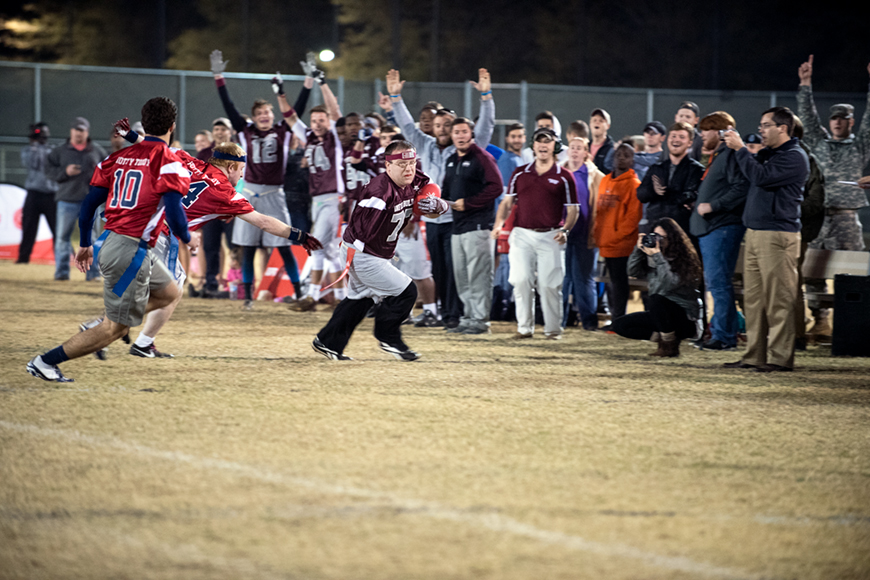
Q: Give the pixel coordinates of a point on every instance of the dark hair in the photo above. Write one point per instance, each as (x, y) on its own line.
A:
(544, 115)
(432, 106)
(319, 109)
(680, 253)
(398, 145)
(579, 128)
(719, 121)
(260, 103)
(445, 113)
(798, 128)
(158, 115)
(352, 114)
(463, 121)
(514, 127)
(341, 122)
(380, 118)
(389, 129)
(782, 116)
(682, 126)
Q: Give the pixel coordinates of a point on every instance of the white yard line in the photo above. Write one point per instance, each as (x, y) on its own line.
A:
(493, 522)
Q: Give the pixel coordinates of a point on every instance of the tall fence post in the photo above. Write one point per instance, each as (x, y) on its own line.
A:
(524, 102)
(466, 104)
(773, 99)
(37, 94)
(376, 93)
(182, 108)
(340, 95)
(650, 106)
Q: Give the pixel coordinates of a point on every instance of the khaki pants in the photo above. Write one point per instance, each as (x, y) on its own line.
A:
(770, 280)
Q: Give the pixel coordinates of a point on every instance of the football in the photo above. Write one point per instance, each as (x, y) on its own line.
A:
(425, 191)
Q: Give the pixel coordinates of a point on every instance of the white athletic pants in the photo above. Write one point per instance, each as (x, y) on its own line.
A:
(533, 252)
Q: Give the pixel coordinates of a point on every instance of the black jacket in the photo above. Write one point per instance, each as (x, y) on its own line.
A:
(680, 190)
(776, 186)
(724, 188)
(474, 178)
(599, 158)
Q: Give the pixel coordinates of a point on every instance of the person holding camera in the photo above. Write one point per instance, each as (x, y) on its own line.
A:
(670, 187)
(667, 258)
(40, 191)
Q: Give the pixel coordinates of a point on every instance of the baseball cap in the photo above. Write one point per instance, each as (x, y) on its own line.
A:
(655, 126)
(544, 132)
(752, 139)
(222, 121)
(81, 124)
(691, 106)
(601, 113)
(844, 110)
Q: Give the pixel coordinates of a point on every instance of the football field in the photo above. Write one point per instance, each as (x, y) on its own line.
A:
(251, 456)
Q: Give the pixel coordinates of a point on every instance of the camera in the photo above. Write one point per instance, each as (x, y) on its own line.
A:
(650, 240)
(722, 133)
(687, 197)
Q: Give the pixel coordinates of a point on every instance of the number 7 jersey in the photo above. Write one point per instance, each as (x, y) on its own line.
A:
(137, 177)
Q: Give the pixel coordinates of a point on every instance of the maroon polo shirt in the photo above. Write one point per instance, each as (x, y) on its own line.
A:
(541, 199)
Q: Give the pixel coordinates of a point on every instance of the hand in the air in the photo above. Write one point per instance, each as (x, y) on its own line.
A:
(218, 64)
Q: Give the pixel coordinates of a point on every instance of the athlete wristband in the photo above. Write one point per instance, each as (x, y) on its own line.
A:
(564, 231)
(220, 82)
(288, 114)
(395, 96)
(132, 136)
(297, 235)
(486, 93)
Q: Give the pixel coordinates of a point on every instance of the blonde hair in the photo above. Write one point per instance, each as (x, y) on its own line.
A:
(229, 149)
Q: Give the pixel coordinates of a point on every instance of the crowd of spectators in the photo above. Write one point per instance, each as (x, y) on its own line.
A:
(538, 220)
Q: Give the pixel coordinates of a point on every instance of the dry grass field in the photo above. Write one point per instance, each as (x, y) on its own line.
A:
(251, 456)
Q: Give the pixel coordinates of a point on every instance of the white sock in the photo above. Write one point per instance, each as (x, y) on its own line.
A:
(314, 292)
(340, 293)
(431, 308)
(144, 341)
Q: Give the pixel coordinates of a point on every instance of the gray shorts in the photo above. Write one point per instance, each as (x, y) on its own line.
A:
(163, 251)
(373, 277)
(268, 200)
(115, 256)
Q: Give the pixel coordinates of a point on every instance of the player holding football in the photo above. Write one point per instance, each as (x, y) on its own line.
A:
(368, 245)
(146, 181)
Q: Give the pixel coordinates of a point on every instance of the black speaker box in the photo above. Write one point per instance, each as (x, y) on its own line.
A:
(851, 316)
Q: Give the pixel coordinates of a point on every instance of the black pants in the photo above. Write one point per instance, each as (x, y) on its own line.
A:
(211, 246)
(441, 253)
(36, 204)
(617, 288)
(388, 319)
(662, 315)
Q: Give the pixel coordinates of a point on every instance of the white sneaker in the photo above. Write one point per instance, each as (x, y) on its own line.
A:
(46, 372)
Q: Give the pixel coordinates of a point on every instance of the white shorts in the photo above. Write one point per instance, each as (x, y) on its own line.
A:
(268, 200)
(162, 250)
(373, 277)
(412, 257)
(325, 220)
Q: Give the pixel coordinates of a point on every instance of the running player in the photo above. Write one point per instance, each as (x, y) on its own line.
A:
(146, 181)
(266, 144)
(368, 246)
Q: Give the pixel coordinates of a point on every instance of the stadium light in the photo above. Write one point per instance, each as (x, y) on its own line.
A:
(326, 55)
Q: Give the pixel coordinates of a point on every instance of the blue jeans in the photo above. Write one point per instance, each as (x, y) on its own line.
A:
(720, 250)
(67, 218)
(579, 282)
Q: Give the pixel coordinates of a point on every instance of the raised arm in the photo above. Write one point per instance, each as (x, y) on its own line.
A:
(331, 102)
(813, 129)
(218, 66)
(486, 123)
(403, 116)
(863, 134)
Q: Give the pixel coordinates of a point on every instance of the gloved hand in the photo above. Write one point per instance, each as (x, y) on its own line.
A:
(122, 128)
(318, 75)
(278, 83)
(364, 133)
(218, 64)
(310, 243)
(433, 204)
(310, 64)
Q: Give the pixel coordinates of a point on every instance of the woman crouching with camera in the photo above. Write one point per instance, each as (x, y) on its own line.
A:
(668, 260)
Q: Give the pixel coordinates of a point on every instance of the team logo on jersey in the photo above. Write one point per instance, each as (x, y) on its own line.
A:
(553, 181)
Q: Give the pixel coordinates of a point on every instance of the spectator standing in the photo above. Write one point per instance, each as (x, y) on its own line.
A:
(601, 143)
(541, 191)
(670, 187)
(40, 191)
(618, 212)
(71, 165)
(772, 217)
(473, 183)
(581, 255)
(717, 223)
(842, 156)
(688, 112)
(648, 149)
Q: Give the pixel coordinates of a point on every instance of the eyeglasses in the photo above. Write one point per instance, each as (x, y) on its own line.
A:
(405, 164)
(768, 126)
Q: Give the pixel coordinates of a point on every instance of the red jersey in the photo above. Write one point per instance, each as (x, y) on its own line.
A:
(381, 213)
(266, 152)
(210, 196)
(540, 199)
(325, 160)
(137, 177)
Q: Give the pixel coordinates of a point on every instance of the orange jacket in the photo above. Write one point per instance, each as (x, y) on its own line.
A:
(618, 211)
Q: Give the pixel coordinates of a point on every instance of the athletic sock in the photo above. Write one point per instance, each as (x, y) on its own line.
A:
(143, 341)
(340, 293)
(55, 356)
(431, 308)
(315, 292)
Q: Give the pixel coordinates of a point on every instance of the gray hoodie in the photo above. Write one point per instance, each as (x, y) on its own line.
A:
(34, 157)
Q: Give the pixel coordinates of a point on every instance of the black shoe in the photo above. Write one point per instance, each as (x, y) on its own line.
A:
(327, 352)
(405, 354)
(192, 292)
(215, 294)
(126, 338)
(800, 344)
(772, 368)
(738, 365)
(428, 320)
(149, 351)
(451, 323)
(717, 345)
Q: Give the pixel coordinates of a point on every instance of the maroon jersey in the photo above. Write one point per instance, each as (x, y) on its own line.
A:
(210, 196)
(540, 199)
(137, 177)
(354, 178)
(381, 213)
(266, 152)
(325, 160)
